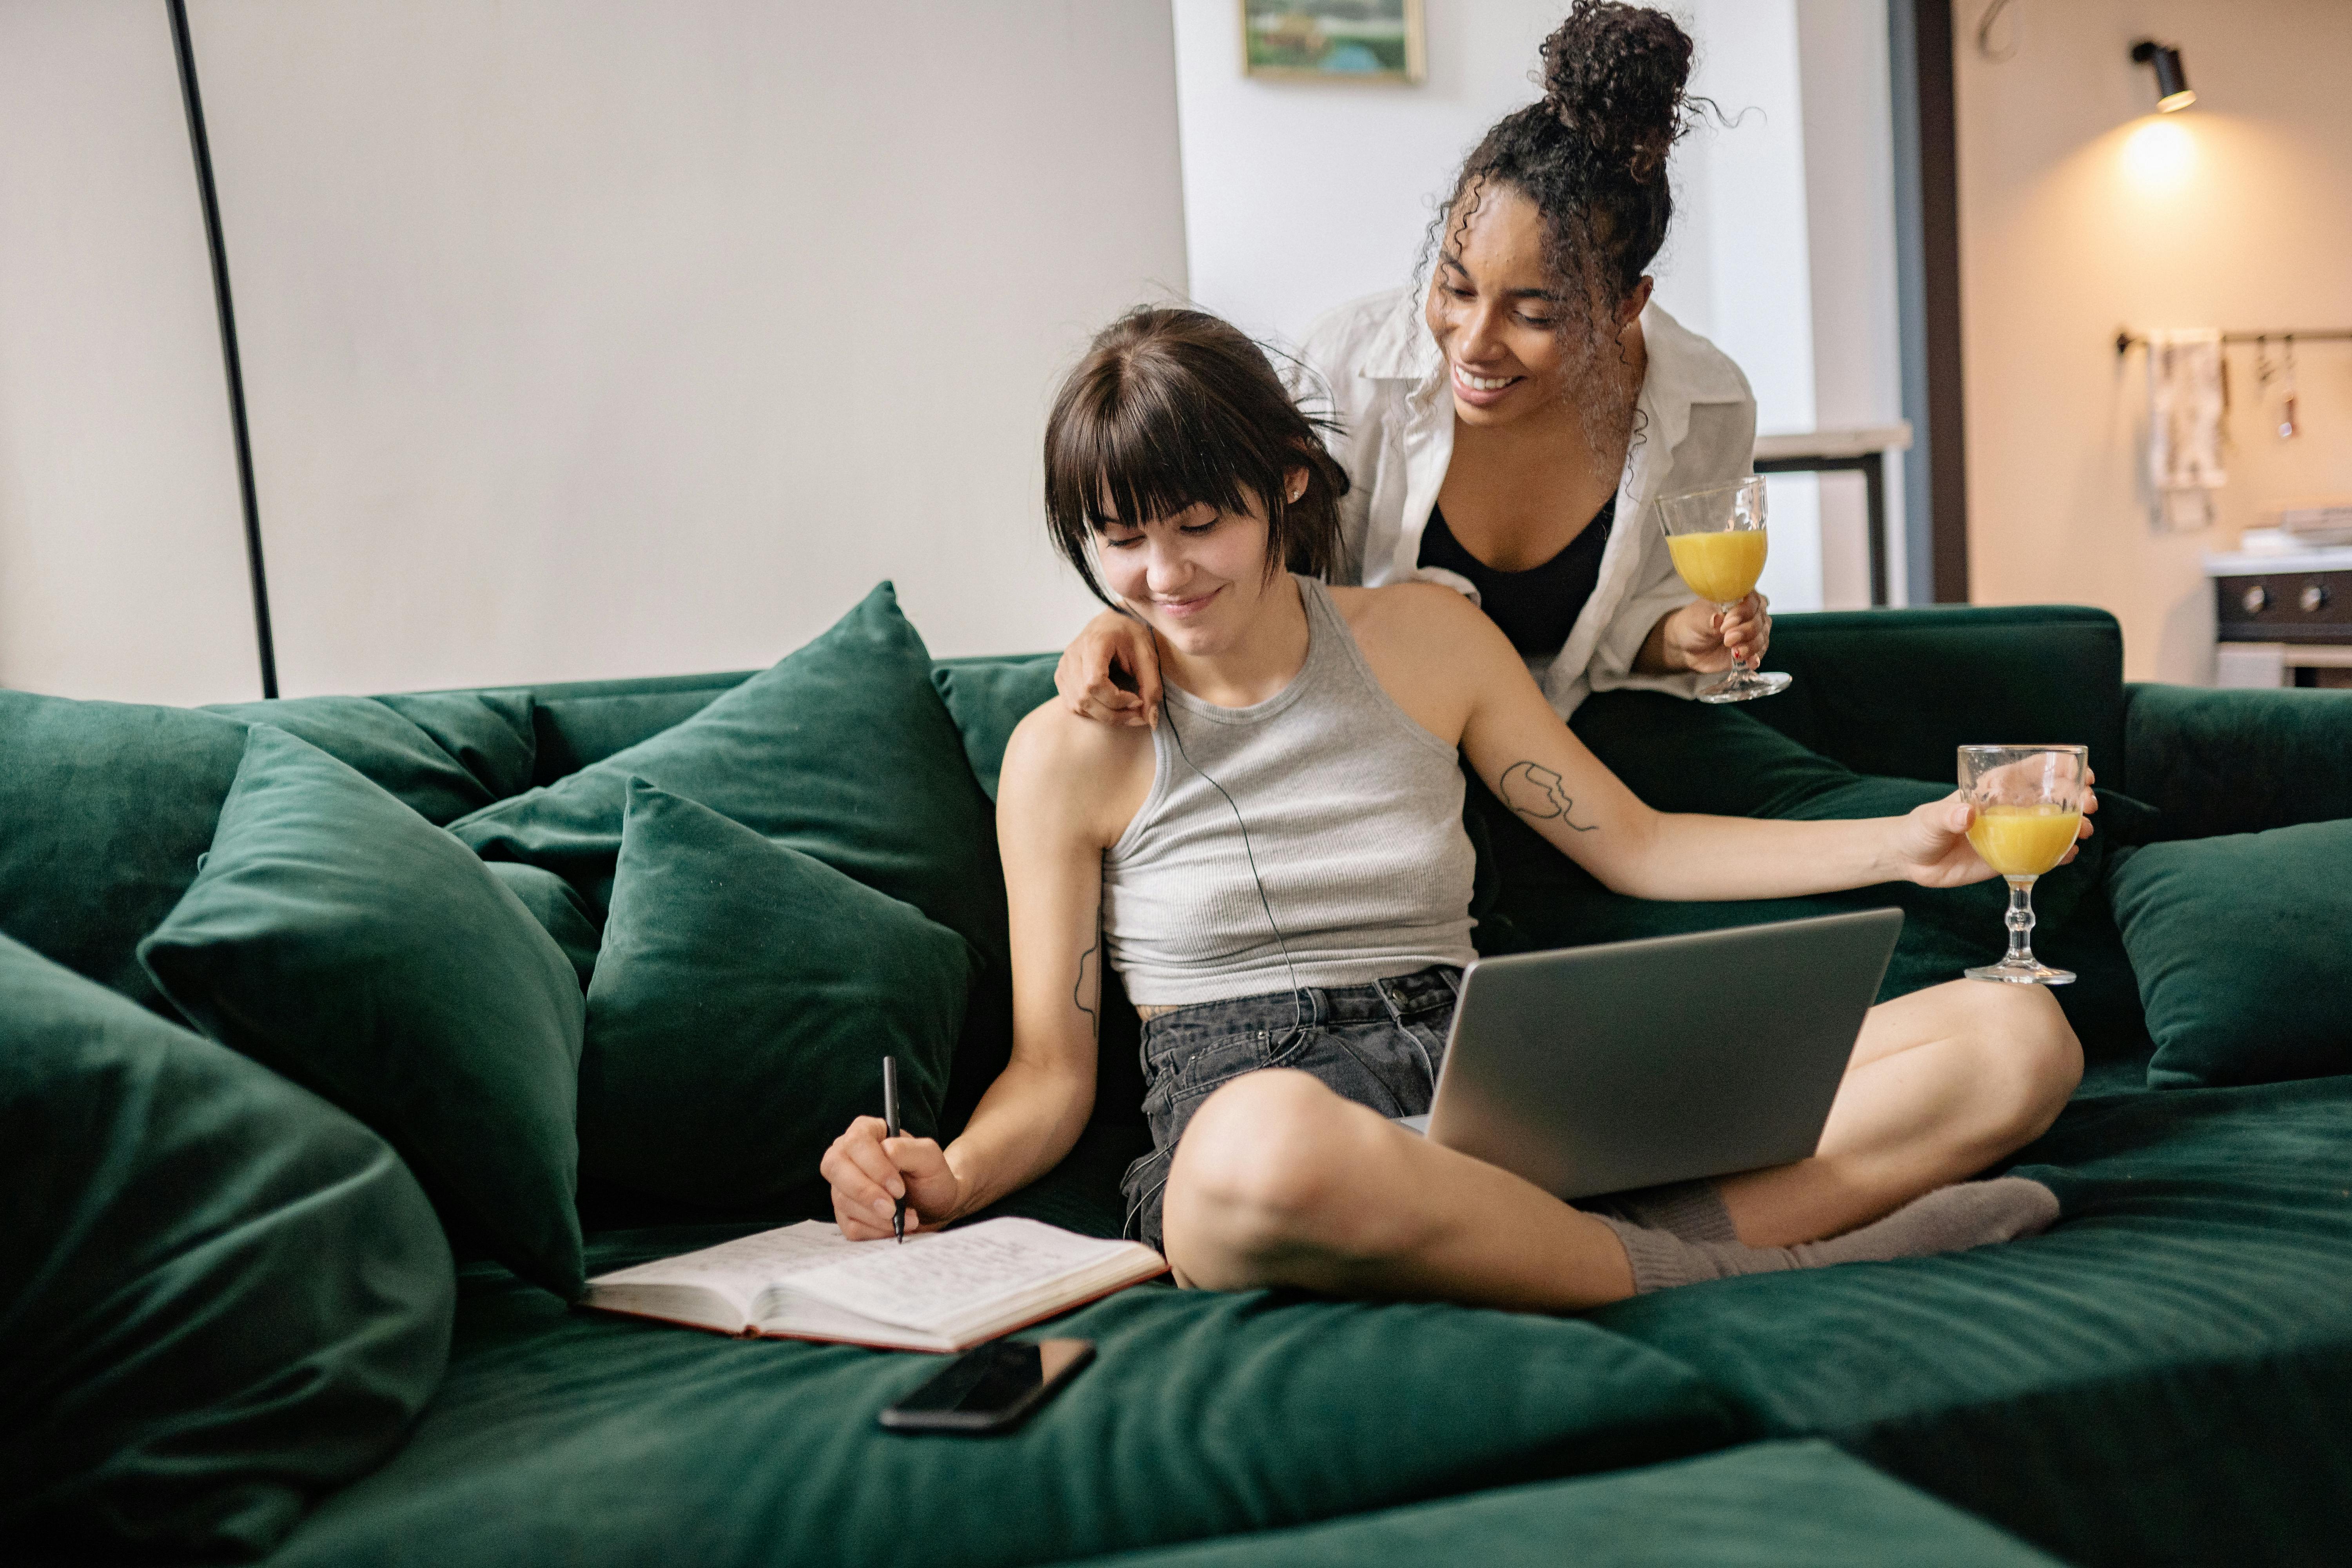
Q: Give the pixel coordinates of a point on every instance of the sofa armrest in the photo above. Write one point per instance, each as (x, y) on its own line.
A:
(2238, 761)
(1898, 692)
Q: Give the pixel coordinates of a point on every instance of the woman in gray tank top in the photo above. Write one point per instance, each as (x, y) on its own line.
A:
(1279, 873)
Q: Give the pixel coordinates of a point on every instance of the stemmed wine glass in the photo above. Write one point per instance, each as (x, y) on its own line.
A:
(2029, 801)
(1717, 538)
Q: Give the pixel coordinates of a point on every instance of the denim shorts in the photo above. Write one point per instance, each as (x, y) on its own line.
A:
(1379, 1044)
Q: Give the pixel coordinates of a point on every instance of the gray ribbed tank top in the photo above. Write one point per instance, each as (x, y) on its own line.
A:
(1355, 817)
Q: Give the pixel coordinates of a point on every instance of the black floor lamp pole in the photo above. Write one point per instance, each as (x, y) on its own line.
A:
(202, 147)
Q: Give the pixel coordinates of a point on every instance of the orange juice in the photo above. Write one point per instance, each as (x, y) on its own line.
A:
(1719, 567)
(2023, 840)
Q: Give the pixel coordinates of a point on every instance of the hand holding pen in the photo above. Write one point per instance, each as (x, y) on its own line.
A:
(886, 1182)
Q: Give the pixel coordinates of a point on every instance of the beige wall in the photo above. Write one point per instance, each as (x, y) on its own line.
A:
(2073, 222)
(582, 338)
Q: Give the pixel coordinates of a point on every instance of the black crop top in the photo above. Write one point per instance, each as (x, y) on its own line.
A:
(1537, 608)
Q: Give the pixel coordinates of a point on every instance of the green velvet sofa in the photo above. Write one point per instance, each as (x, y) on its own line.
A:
(2165, 1376)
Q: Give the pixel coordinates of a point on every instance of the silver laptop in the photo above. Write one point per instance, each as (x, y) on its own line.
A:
(1595, 1070)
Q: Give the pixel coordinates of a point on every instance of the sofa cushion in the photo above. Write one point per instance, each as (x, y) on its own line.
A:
(335, 935)
(2240, 761)
(1769, 1505)
(2163, 1377)
(104, 810)
(844, 752)
(442, 754)
(581, 722)
(219, 1295)
(2243, 949)
(1893, 692)
(741, 1007)
(108, 804)
(560, 910)
(988, 697)
(590, 1440)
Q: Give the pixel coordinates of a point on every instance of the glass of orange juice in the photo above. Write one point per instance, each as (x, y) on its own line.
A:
(1717, 538)
(2029, 801)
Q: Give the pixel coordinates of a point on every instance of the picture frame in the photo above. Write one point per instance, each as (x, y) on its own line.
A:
(1380, 41)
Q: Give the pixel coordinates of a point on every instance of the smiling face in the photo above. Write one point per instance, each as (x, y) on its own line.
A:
(1199, 578)
(1494, 312)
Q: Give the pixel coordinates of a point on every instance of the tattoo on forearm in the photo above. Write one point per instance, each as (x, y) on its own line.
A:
(1078, 989)
(1538, 792)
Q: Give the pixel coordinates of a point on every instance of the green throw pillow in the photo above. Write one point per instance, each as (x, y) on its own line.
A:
(106, 806)
(104, 810)
(741, 1007)
(442, 754)
(988, 697)
(844, 752)
(220, 1297)
(335, 935)
(560, 911)
(2243, 949)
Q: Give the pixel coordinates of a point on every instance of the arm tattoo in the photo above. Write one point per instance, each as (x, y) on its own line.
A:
(1078, 988)
(1537, 791)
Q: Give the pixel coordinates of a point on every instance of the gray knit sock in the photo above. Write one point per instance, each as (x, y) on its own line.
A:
(1949, 1219)
(1690, 1211)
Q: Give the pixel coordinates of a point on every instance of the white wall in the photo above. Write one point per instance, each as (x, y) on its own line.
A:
(580, 340)
(1740, 269)
(122, 547)
(1300, 195)
(2067, 230)
(1842, 51)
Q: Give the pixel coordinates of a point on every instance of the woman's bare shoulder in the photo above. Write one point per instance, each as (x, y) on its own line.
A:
(1415, 613)
(1075, 773)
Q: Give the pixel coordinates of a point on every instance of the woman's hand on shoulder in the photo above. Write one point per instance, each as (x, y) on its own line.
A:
(869, 1173)
(1931, 844)
(1700, 637)
(1089, 676)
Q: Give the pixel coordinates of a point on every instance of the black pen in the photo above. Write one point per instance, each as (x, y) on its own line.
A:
(890, 1126)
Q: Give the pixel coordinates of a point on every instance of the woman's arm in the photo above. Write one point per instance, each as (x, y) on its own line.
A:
(1536, 767)
(1050, 817)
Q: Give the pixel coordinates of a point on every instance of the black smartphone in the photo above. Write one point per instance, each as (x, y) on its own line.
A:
(991, 1389)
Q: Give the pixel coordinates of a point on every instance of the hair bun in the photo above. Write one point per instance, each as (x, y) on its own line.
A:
(1614, 74)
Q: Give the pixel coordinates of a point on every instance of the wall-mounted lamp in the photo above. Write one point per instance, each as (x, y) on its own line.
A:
(2172, 89)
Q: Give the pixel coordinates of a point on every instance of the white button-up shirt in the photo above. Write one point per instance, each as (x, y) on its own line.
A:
(1387, 381)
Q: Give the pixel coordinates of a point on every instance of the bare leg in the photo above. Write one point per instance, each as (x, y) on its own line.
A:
(1279, 1179)
(1942, 1083)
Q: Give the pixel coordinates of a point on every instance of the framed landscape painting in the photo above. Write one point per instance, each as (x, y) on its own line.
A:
(1333, 40)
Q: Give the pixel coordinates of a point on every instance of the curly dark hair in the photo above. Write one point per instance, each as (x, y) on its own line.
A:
(1169, 408)
(1590, 156)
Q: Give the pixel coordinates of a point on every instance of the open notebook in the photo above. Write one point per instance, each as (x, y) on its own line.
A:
(943, 1290)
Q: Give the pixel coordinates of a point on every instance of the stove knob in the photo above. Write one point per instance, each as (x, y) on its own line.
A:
(2315, 597)
(2257, 599)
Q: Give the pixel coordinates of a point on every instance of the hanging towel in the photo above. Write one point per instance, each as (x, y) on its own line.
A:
(2184, 425)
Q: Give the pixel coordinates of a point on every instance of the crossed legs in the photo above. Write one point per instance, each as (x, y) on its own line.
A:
(1279, 1181)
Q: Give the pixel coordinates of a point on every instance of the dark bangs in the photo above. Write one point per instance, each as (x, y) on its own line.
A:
(1171, 409)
